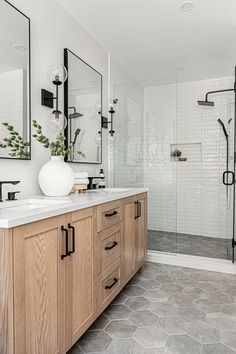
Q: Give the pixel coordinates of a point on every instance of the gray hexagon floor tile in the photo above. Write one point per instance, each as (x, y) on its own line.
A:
(125, 346)
(221, 298)
(75, 350)
(93, 341)
(181, 300)
(156, 295)
(166, 278)
(117, 312)
(203, 332)
(172, 288)
(135, 280)
(228, 338)
(208, 286)
(150, 284)
(147, 275)
(196, 293)
(172, 325)
(154, 351)
(207, 306)
(143, 318)
(183, 344)
(151, 337)
(121, 329)
(164, 308)
(230, 290)
(121, 298)
(190, 314)
(221, 321)
(133, 290)
(100, 323)
(138, 303)
(216, 349)
(230, 309)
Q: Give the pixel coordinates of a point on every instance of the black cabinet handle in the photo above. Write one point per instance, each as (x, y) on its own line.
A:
(139, 209)
(67, 234)
(112, 246)
(115, 280)
(73, 238)
(111, 214)
(136, 210)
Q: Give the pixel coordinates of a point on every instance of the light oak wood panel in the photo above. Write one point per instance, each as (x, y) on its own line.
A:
(111, 275)
(140, 243)
(39, 294)
(108, 214)
(129, 237)
(108, 247)
(80, 276)
(6, 292)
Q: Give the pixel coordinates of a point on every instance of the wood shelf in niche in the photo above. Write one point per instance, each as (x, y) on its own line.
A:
(192, 151)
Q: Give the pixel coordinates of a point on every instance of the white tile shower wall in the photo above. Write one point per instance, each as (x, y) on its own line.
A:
(188, 197)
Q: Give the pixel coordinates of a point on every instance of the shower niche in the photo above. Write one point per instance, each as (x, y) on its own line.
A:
(186, 152)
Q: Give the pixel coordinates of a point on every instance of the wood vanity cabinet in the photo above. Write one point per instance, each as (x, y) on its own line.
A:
(57, 275)
(135, 234)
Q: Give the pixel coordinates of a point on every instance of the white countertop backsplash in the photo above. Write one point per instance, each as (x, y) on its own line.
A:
(24, 211)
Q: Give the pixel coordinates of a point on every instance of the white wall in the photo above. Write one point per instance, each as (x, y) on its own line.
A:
(52, 29)
(188, 197)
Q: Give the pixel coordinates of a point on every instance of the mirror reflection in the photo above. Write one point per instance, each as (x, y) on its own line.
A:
(14, 83)
(83, 101)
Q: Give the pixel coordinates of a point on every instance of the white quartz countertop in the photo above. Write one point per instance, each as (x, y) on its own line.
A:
(24, 211)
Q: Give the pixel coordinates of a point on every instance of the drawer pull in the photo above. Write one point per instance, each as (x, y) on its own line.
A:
(115, 280)
(73, 238)
(112, 246)
(67, 251)
(108, 215)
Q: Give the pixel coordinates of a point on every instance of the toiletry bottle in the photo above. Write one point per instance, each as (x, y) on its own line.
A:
(102, 182)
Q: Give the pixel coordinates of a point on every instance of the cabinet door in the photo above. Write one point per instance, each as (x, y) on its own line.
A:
(128, 237)
(80, 274)
(140, 242)
(39, 287)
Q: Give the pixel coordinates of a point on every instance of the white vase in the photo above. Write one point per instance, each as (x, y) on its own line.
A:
(56, 178)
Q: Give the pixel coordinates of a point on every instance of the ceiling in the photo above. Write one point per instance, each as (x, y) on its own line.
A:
(155, 41)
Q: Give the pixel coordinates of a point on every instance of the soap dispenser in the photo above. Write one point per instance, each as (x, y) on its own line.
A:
(102, 182)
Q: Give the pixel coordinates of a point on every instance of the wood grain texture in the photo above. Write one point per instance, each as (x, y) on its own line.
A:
(140, 243)
(39, 288)
(80, 276)
(103, 221)
(106, 238)
(6, 292)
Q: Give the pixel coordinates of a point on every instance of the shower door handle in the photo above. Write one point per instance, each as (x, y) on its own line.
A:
(226, 175)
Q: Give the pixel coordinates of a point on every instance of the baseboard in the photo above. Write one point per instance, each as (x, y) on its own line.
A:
(183, 260)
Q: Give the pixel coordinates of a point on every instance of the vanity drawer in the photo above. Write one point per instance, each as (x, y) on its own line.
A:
(109, 284)
(109, 245)
(108, 214)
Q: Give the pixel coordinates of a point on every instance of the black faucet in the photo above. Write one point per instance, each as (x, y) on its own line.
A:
(6, 182)
(91, 185)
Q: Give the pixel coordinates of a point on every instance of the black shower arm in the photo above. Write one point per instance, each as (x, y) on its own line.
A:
(220, 91)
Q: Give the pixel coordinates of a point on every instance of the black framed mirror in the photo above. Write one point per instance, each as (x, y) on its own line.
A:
(83, 110)
(15, 110)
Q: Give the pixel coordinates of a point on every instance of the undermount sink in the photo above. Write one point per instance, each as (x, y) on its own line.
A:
(30, 204)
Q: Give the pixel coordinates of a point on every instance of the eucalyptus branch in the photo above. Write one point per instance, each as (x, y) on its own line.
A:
(19, 147)
(57, 146)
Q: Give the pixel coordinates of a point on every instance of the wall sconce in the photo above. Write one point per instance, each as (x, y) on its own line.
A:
(57, 74)
(105, 120)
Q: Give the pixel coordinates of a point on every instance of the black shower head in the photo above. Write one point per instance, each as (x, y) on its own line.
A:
(206, 103)
(75, 114)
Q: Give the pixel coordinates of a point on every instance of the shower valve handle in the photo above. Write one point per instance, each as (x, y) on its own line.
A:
(226, 175)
